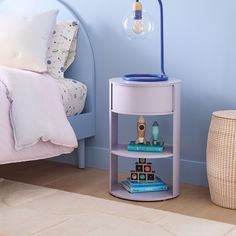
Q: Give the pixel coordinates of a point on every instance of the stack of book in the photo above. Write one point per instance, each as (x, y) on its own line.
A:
(145, 147)
(141, 187)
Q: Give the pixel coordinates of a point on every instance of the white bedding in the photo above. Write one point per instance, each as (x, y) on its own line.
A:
(73, 95)
(32, 117)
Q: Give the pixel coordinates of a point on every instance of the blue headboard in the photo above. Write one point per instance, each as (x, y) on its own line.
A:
(83, 68)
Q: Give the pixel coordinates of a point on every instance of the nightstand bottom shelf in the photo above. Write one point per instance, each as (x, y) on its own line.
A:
(118, 191)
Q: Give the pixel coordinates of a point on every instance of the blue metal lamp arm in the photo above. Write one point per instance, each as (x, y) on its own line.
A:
(162, 37)
(153, 77)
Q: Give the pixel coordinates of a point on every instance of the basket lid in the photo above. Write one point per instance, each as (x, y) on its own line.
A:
(226, 114)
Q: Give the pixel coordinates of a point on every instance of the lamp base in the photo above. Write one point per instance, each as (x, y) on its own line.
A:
(145, 77)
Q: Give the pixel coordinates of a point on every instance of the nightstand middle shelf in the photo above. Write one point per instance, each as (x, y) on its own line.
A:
(121, 150)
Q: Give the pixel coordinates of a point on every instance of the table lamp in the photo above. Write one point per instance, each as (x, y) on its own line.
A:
(140, 25)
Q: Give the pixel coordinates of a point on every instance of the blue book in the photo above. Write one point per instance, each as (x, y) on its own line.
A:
(158, 181)
(143, 189)
(140, 188)
(144, 148)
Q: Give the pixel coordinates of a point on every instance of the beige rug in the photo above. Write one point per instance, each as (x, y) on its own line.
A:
(31, 210)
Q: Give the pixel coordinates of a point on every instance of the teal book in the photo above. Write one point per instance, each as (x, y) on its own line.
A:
(157, 182)
(140, 188)
(144, 189)
(144, 148)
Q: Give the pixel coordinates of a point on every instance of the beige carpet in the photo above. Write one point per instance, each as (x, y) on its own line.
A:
(31, 210)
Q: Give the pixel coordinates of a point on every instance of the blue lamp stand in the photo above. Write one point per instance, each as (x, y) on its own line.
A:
(137, 26)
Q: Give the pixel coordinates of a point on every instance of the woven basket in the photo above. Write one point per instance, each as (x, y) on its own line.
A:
(221, 158)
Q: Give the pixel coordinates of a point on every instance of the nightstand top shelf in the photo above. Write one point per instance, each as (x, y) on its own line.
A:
(146, 98)
(132, 113)
(121, 150)
(122, 82)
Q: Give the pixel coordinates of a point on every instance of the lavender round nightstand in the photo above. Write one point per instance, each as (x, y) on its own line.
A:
(143, 98)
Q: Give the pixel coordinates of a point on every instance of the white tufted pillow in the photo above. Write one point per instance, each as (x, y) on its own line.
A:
(24, 40)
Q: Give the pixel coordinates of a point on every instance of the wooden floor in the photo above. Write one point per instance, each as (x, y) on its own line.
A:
(193, 201)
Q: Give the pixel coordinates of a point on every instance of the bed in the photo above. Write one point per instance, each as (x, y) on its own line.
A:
(83, 68)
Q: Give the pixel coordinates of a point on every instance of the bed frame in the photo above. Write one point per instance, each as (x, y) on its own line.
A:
(83, 68)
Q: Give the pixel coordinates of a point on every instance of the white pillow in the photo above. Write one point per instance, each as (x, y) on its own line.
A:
(24, 40)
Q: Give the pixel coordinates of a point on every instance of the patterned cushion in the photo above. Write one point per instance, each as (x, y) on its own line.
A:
(62, 49)
(73, 95)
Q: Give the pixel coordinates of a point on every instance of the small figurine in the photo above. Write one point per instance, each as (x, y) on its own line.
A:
(141, 129)
(155, 133)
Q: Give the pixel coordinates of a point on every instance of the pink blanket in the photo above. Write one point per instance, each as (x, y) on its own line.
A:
(8, 153)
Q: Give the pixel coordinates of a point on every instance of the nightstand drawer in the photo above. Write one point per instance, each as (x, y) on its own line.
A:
(142, 99)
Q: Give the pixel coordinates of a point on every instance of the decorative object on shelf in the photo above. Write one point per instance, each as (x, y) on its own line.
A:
(141, 130)
(142, 160)
(140, 144)
(140, 25)
(143, 172)
(155, 133)
(143, 179)
(156, 140)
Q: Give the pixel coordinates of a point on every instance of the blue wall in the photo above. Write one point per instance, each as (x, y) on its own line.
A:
(200, 38)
